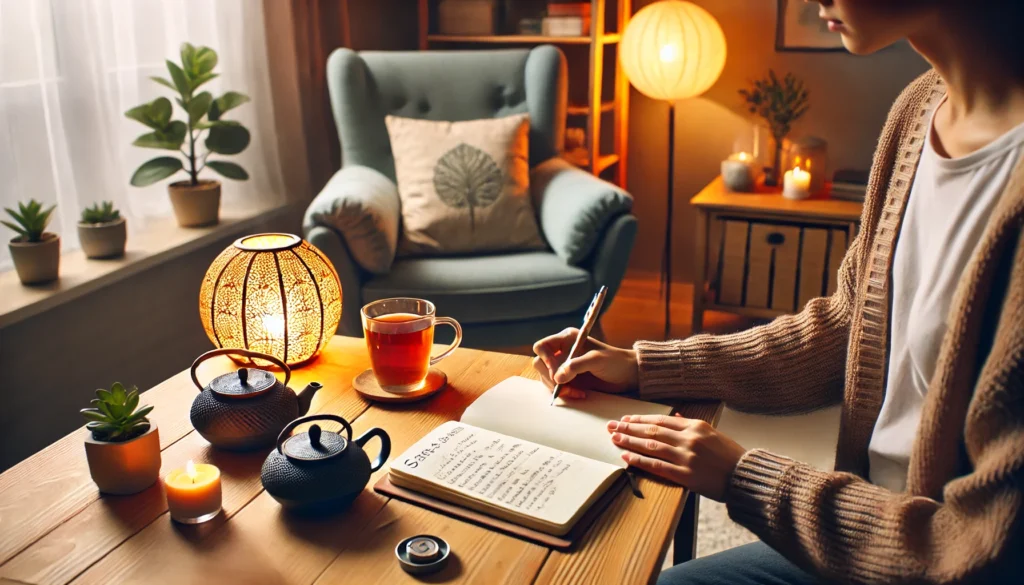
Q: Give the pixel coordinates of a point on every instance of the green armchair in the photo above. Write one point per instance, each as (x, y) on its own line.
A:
(500, 299)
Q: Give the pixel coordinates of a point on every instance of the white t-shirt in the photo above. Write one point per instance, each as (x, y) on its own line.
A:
(949, 206)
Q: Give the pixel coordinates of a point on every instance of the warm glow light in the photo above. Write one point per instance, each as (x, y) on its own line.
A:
(672, 50)
(801, 174)
(271, 293)
(743, 156)
(190, 469)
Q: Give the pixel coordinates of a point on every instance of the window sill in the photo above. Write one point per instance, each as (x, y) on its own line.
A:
(161, 241)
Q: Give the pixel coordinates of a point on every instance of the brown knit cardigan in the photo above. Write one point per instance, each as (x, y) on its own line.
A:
(960, 519)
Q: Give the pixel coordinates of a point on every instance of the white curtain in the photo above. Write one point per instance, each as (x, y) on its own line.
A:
(69, 69)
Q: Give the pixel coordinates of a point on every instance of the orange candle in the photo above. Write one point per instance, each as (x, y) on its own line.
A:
(193, 493)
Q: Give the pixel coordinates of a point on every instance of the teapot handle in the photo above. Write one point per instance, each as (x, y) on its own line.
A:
(238, 351)
(287, 430)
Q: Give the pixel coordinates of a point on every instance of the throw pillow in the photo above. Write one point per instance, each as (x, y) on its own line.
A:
(464, 186)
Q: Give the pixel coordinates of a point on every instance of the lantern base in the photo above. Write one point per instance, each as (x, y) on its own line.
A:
(244, 361)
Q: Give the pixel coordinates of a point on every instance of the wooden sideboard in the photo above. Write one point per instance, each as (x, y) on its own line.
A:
(761, 255)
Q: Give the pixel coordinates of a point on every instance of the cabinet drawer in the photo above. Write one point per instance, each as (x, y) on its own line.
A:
(773, 267)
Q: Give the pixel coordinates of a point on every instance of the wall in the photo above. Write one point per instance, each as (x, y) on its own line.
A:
(850, 97)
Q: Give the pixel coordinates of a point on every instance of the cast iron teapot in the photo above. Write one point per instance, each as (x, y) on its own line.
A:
(248, 408)
(318, 470)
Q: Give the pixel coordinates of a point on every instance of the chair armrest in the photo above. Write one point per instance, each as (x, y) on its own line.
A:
(329, 242)
(610, 258)
(574, 207)
(362, 205)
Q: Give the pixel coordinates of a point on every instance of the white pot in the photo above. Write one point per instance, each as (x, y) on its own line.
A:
(36, 262)
(124, 468)
(195, 205)
(103, 240)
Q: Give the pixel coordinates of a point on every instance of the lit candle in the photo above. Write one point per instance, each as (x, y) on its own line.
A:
(738, 172)
(796, 184)
(193, 493)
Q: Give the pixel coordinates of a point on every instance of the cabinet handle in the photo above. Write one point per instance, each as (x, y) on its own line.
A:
(775, 238)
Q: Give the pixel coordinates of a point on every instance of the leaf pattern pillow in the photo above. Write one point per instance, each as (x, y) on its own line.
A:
(464, 186)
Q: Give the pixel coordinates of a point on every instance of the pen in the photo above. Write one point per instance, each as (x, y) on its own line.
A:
(588, 323)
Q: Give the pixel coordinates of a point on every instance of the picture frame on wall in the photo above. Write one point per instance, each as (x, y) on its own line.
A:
(798, 28)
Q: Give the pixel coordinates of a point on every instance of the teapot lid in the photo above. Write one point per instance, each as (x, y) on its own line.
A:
(314, 445)
(245, 383)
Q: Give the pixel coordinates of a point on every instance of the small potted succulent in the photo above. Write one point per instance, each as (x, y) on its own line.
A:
(35, 251)
(123, 447)
(102, 231)
(196, 202)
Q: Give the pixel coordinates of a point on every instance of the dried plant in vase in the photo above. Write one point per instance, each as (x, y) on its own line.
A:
(196, 202)
(102, 231)
(123, 446)
(35, 251)
(780, 102)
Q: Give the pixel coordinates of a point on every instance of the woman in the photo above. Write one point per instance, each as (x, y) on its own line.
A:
(923, 343)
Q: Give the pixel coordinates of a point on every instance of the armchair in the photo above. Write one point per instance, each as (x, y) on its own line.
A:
(500, 299)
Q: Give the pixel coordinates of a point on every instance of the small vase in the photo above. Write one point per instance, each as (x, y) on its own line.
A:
(36, 262)
(103, 240)
(195, 205)
(127, 467)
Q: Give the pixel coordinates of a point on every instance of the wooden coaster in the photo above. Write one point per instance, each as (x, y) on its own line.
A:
(366, 384)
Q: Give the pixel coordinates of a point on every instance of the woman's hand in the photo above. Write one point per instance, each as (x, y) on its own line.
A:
(601, 367)
(682, 450)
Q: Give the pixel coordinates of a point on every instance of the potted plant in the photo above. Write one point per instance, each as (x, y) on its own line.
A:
(102, 231)
(35, 251)
(123, 447)
(196, 202)
(780, 102)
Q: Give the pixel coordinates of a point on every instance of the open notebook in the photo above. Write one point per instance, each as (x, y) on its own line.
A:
(515, 457)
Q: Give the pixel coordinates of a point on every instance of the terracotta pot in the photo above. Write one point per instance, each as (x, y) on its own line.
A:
(36, 262)
(195, 206)
(103, 240)
(124, 468)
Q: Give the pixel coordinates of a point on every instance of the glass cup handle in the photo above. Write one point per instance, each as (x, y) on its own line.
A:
(455, 344)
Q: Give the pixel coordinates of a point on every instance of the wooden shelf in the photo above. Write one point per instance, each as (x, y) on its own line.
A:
(519, 39)
(603, 162)
(583, 110)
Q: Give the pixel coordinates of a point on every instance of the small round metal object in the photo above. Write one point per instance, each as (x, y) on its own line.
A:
(245, 383)
(422, 554)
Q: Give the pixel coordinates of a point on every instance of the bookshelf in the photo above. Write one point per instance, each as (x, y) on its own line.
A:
(598, 88)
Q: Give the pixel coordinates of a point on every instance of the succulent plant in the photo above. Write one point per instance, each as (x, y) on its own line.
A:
(101, 213)
(203, 113)
(31, 220)
(113, 417)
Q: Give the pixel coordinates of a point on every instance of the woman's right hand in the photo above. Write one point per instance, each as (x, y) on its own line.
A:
(600, 367)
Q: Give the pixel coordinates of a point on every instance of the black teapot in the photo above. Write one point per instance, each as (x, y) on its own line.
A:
(248, 408)
(318, 470)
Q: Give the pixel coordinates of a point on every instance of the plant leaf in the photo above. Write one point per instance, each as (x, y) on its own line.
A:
(16, 228)
(170, 140)
(188, 53)
(199, 106)
(93, 414)
(228, 169)
(155, 114)
(155, 170)
(163, 82)
(181, 82)
(204, 61)
(104, 407)
(227, 139)
(201, 79)
(118, 392)
(207, 124)
(229, 101)
(132, 402)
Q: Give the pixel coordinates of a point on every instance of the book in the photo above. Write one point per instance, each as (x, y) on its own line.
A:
(566, 26)
(517, 458)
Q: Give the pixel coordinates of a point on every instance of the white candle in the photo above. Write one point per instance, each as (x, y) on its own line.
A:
(738, 172)
(796, 184)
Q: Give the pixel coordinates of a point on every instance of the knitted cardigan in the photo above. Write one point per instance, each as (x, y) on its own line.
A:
(960, 519)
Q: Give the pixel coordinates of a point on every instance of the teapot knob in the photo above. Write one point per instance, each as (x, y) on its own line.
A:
(243, 376)
(314, 436)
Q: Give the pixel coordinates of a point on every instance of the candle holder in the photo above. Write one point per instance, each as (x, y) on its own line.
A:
(738, 172)
(194, 493)
(810, 154)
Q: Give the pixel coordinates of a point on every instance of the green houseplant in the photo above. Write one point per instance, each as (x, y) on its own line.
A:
(196, 202)
(780, 102)
(35, 251)
(102, 231)
(123, 446)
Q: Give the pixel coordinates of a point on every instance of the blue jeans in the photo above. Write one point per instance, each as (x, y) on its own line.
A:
(751, 564)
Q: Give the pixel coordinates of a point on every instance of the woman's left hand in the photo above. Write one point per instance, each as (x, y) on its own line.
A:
(682, 450)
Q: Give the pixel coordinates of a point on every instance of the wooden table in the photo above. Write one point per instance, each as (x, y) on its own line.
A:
(55, 528)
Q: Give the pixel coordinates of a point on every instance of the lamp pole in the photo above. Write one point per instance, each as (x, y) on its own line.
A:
(666, 266)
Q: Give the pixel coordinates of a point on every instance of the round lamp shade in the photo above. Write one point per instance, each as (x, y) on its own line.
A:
(271, 293)
(672, 50)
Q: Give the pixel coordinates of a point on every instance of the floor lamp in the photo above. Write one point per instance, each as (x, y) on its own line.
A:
(672, 50)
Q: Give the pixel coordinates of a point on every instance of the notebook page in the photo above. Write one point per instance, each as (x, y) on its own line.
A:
(499, 473)
(520, 407)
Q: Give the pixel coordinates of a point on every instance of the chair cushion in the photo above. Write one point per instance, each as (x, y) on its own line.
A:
(485, 289)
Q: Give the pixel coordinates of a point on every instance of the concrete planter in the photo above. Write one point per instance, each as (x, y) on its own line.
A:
(36, 262)
(195, 206)
(124, 468)
(103, 240)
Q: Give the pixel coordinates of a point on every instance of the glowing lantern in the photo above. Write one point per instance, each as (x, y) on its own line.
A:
(272, 293)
